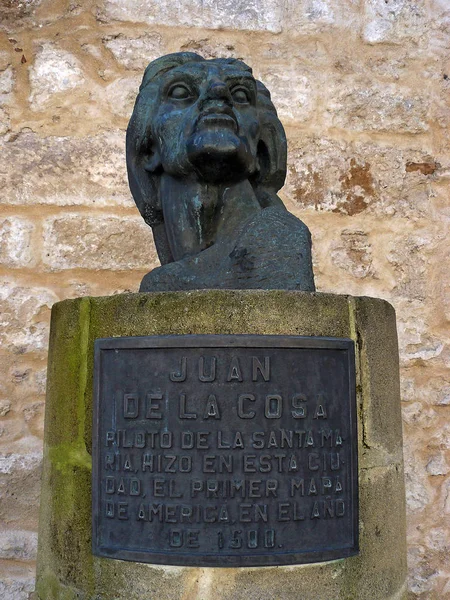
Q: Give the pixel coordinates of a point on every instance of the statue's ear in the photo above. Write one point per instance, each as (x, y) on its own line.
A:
(272, 147)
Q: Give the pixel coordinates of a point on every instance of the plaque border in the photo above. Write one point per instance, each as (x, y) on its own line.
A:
(224, 341)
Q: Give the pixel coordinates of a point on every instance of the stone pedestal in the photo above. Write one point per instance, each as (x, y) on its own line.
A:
(66, 567)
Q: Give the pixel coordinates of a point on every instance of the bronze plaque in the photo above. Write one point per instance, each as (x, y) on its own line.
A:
(221, 450)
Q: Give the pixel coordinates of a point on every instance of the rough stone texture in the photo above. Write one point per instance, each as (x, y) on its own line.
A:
(53, 71)
(18, 545)
(135, 52)
(256, 15)
(16, 581)
(26, 311)
(351, 178)
(96, 243)
(65, 171)
(393, 21)
(20, 476)
(15, 242)
(66, 566)
(377, 108)
(372, 186)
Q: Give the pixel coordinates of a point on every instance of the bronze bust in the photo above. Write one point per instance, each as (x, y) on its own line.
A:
(206, 156)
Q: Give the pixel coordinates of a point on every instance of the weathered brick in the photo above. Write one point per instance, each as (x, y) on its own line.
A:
(367, 106)
(16, 584)
(258, 15)
(437, 465)
(309, 15)
(20, 476)
(292, 92)
(65, 170)
(418, 345)
(97, 242)
(393, 21)
(316, 16)
(54, 70)
(26, 312)
(5, 122)
(17, 544)
(121, 95)
(353, 178)
(14, 13)
(422, 575)
(411, 254)
(15, 242)
(353, 253)
(214, 47)
(135, 52)
(418, 492)
(6, 84)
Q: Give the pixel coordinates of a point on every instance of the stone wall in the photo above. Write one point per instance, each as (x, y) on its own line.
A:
(362, 87)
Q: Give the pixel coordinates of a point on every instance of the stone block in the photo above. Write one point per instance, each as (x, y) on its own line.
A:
(309, 16)
(437, 465)
(27, 312)
(97, 242)
(20, 486)
(16, 13)
(306, 17)
(33, 415)
(419, 493)
(16, 587)
(394, 22)
(351, 178)
(368, 106)
(256, 15)
(54, 70)
(215, 47)
(292, 92)
(16, 544)
(65, 170)
(7, 80)
(5, 122)
(121, 95)
(134, 53)
(410, 255)
(353, 253)
(16, 242)
(418, 344)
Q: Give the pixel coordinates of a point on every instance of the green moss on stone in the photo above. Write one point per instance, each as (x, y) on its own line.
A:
(66, 566)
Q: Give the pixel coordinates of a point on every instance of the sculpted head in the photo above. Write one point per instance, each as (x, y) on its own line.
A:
(204, 119)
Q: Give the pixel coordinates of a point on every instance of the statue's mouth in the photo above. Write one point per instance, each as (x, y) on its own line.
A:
(218, 117)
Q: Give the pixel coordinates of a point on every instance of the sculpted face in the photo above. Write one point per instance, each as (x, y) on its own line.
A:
(207, 126)
(206, 122)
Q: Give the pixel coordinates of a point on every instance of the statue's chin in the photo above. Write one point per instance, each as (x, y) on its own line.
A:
(219, 155)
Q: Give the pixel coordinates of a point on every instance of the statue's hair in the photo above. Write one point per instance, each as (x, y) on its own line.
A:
(272, 147)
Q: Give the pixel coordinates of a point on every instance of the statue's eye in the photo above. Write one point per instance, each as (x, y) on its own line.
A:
(240, 95)
(180, 92)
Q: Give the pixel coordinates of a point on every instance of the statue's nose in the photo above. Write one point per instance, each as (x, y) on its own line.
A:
(218, 90)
